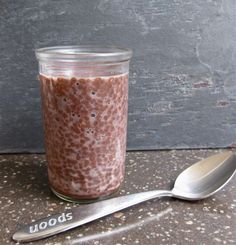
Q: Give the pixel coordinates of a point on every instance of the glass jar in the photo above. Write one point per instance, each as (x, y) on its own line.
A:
(84, 94)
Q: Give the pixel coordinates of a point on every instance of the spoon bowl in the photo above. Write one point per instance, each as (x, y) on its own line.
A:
(205, 177)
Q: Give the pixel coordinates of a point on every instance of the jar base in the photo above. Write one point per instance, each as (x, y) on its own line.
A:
(85, 200)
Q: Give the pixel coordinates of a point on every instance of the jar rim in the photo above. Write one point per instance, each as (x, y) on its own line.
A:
(84, 53)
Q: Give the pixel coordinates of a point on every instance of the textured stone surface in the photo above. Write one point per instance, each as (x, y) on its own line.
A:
(25, 196)
(182, 85)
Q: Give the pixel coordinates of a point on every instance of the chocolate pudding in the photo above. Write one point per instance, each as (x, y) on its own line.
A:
(85, 122)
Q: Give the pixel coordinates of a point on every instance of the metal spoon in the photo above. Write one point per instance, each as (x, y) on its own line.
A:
(199, 181)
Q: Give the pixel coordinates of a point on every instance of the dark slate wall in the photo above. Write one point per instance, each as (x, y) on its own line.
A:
(183, 73)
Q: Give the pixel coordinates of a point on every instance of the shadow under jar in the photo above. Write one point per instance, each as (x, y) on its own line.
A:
(84, 93)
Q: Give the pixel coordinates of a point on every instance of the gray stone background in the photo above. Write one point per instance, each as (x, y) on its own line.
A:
(182, 76)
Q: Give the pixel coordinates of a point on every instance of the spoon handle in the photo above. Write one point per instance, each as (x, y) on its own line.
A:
(81, 215)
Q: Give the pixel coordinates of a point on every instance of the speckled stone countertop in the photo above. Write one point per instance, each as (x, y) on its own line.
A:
(25, 197)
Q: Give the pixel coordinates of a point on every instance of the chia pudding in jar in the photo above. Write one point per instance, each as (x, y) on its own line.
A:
(84, 93)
